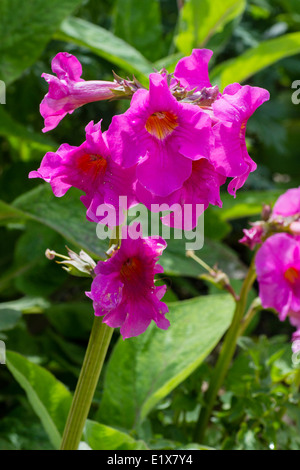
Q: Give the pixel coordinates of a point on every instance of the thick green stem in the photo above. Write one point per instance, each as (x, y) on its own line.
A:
(225, 357)
(94, 357)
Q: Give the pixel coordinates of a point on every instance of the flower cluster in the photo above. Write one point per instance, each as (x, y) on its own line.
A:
(177, 143)
(278, 259)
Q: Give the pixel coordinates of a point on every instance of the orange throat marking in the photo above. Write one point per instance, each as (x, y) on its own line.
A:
(161, 124)
(93, 164)
(292, 275)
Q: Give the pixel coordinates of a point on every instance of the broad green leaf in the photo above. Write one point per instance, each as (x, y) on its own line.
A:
(9, 318)
(215, 228)
(247, 203)
(48, 397)
(27, 304)
(35, 275)
(25, 29)
(144, 370)
(139, 26)
(11, 128)
(65, 215)
(51, 401)
(253, 60)
(9, 213)
(175, 261)
(72, 319)
(106, 45)
(21, 429)
(101, 437)
(201, 19)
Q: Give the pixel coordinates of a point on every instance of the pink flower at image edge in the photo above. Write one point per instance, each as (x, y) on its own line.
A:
(278, 274)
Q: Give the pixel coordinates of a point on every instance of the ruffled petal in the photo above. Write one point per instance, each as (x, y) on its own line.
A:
(192, 71)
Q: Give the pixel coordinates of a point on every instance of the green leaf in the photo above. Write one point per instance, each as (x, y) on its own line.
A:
(253, 60)
(25, 29)
(138, 26)
(72, 319)
(34, 274)
(247, 203)
(101, 437)
(64, 215)
(48, 397)
(27, 304)
(144, 370)
(106, 45)
(8, 318)
(11, 128)
(201, 19)
(215, 228)
(9, 213)
(169, 62)
(175, 261)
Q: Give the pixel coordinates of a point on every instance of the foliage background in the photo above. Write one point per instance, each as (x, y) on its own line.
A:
(45, 317)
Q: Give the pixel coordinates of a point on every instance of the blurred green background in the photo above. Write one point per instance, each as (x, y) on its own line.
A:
(44, 314)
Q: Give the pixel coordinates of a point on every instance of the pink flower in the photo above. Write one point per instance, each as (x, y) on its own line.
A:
(231, 112)
(296, 336)
(68, 91)
(201, 188)
(161, 135)
(288, 204)
(278, 273)
(252, 236)
(286, 211)
(89, 168)
(124, 290)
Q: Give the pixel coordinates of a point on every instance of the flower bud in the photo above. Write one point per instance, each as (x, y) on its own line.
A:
(295, 228)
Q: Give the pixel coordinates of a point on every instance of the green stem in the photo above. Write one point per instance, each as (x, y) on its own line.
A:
(254, 308)
(86, 385)
(200, 261)
(225, 357)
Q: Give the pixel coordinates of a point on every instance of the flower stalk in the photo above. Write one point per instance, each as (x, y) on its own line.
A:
(90, 372)
(225, 357)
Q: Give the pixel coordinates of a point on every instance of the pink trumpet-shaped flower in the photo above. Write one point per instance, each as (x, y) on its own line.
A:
(288, 204)
(124, 290)
(229, 112)
(278, 274)
(161, 135)
(67, 91)
(89, 168)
